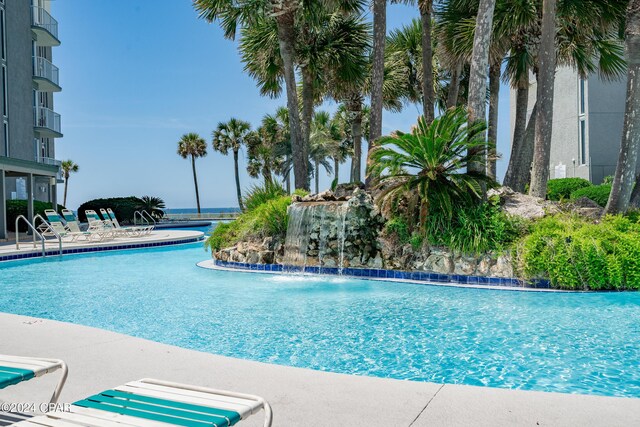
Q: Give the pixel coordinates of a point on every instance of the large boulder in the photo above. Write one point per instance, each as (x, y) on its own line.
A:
(523, 205)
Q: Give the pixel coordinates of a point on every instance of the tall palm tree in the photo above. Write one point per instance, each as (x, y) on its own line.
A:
(624, 178)
(192, 145)
(231, 136)
(479, 67)
(544, 98)
(428, 97)
(322, 144)
(237, 13)
(68, 166)
(377, 69)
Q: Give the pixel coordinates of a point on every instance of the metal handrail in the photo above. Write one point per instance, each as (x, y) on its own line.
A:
(50, 229)
(144, 212)
(135, 218)
(35, 233)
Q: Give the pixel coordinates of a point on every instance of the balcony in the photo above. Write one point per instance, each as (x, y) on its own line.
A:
(44, 27)
(47, 123)
(45, 75)
(52, 162)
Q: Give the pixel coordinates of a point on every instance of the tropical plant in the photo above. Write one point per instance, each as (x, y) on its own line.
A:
(231, 136)
(67, 166)
(153, 205)
(260, 194)
(429, 165)
(622, 190)
(323, 141)
(193, 146)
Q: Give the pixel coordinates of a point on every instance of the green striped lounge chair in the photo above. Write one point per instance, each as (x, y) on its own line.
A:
(98, 225)
(135, 231)
(17, 369)
(63, 231)
(154, 403)
(74, 226)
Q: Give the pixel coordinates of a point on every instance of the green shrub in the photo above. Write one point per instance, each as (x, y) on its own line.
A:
(473, 228)
(123, 207)
(576, 254)
(597, 193)
(267, 219)
(16, 208)
(259, 194)
(561, 188)
(399, 227)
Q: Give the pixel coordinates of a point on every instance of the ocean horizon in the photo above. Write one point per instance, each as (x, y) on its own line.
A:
(202, 210)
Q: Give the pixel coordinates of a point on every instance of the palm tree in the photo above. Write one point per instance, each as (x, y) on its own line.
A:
(377, 69)
(192, 145)
(153, 205)
(231, 136)
(624, 178)
(544, 98)
(431, 163)
(236, 13)
(67, 166)
(479, 68)
(323, 140)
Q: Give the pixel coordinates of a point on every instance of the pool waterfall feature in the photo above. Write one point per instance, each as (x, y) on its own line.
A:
(332, 234)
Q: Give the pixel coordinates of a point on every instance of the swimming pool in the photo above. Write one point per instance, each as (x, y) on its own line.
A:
(564, 342)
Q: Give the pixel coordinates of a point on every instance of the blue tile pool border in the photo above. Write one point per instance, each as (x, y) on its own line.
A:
(374, 273)
(51, 252)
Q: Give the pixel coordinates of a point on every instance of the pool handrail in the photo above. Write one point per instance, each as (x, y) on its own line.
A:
(36, 233)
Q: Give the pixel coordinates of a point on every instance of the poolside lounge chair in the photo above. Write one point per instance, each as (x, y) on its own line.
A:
(148, 402)
(16, 369)
(134, 231)
(74, 226)
(98, 225)
(63, 231)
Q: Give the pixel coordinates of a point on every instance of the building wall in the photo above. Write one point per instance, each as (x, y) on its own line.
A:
(606, 101)
(20, 79)
(603, 117)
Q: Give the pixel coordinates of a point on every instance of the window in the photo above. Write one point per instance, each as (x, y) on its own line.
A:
(5, 133)
(3, 44)
(5, 102)
(582, 122)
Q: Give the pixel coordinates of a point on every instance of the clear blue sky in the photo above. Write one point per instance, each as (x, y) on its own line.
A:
(138, 74)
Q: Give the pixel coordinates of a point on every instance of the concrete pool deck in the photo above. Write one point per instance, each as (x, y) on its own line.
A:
(157, 237)
(99, 359)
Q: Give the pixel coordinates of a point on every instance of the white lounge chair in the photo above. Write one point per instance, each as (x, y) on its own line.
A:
(134, 231)
(98, 225)
(149, 402)
(16, 369)
(73, 226)
(62, 230)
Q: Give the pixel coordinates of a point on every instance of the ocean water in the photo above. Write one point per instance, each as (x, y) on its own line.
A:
(563, 342)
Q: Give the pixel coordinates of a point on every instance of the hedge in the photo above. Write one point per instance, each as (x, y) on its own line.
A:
(597, 193)
(16, 208)
(561, 188)
(123, 207)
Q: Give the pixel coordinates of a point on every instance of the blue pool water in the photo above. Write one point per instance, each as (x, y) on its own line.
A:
(564, 342)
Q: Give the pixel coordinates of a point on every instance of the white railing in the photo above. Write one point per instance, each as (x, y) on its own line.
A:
(47, 118)
(50, 161)
(41, 18)
(42, 67)
(203, 216)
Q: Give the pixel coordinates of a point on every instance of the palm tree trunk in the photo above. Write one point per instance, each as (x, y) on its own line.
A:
(316, 174)
(479, 68)
(454, 85)
(377, 74)
(66, 184)
(427, 60)
(544, 99)
(336, 169)
(195, 181)
(492, 136)
(307, 105)
(285, 21)
(237, 172)
(287, 182)
(515, 173)
(625, 176)
(355, 107)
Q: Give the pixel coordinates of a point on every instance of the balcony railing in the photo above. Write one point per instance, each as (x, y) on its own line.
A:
(50, 161)
(45, 69)
(41, 18)
(47, 119)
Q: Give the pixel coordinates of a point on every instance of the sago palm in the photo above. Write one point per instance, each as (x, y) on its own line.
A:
(431, 163)
(193, 146)
(153, 205)
(231, 136)
(67, 166)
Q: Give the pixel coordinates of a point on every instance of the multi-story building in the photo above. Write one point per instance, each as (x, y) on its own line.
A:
(588, 115)
(29, 124)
